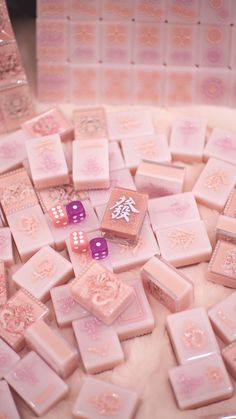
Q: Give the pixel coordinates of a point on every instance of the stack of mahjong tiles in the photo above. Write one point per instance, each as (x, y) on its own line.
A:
(143, 52)
(16, 103)
(101, 218)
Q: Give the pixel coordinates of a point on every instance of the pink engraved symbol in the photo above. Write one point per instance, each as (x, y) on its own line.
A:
(225, 144)
(226, 320)
(91, 327)
(215, 376)
(229, 265)
(123, 208)
(116, 35)
(107, 404)
(188, 130)
(215, 180)
(30, 225)
(48, 163)
(92, 168)
(193, 336)
(176, 208)
(16, 318)
(66, 304)
(8, 151)
(181, 238)
(46, 125)
(103, 288)
(100, 350)
(127, 124)
(189, 384)
(147, 148)
(44, 269)
(44, 146)
(134, 249)
(26, 373)
(149, 36)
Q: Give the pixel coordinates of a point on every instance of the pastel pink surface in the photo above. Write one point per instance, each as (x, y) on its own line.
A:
(222, 317)
(60, 235)
(125, 256)
(84, 42)
(148, 84)
(55, 8)
(91, 164)
(118, 178)
(12, 151)
(81, 261)
(191, 335)
(24, 310)
(3, 284)
(228, 354)
(95, 393)
(130, 123)
(49, 122)
(154, 148)
(115, 42)
(52, 82)
(84, 81)
(180, 85)
(204, 381)
(82, 10)
(52, 39)
(188, 138)
(187, 12)
(214, 184)
(104, 301)
(44, 270)
(27, 378)
(226, 229)
(98, 344)
(115, 10)
(47, 161)
(8, 358)
(147, 11)
(116, 160)
(159, 179)
(52, 348)
(181, 44)
(172, 210)
(6, 250)
(7, 405)
(221, 145)
(214, 47)
(148, 43)
(65, 307)
(184, 244)
(167, 285)
(212, 86)
(217, 13)
(230, 207)
(115, 84)
(90, 123)
(221, 268)
(30, 231)
(137, 319)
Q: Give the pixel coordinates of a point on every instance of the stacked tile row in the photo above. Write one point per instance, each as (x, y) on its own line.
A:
(112, 52)
(15, 99)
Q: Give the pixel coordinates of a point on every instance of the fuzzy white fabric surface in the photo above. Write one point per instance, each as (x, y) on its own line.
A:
(148, 358)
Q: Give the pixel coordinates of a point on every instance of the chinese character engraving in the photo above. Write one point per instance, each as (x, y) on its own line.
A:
(181, 238)
(107, 404)
(193, 336)
(123, 208)
(229, 265)
(215, 180)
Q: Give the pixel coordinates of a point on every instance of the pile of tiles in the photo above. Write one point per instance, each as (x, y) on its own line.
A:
(136, 51)
(15, 99)
(94, 178)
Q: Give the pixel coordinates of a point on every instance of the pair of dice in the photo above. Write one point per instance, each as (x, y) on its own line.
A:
(80, 243)
(73, 212)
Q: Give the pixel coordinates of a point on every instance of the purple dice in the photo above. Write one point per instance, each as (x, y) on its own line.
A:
(75, 211)
(99, 248)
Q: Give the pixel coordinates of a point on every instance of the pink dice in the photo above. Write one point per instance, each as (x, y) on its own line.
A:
(58, 215)
(79, 241)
